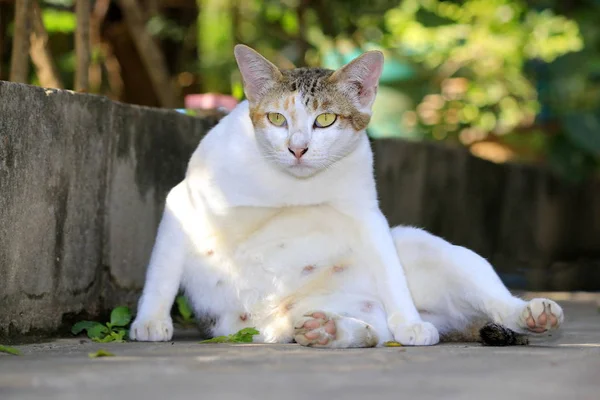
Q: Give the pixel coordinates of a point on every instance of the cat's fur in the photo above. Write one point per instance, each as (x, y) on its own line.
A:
(279, 228)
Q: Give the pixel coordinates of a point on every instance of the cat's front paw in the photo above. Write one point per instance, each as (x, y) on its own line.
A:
(151, 330)
(417, 334)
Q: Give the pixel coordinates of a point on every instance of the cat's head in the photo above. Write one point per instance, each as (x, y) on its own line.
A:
(307, 119)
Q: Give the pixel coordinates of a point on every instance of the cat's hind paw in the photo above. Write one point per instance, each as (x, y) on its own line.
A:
(321, 329)
(417, 334)
(315, 329)
(151, 330)
(540, 315)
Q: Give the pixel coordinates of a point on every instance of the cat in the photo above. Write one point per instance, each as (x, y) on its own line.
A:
(277, 226)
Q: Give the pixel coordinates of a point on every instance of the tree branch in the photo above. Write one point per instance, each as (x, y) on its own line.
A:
(83, 9)
(39, 51)
(150, 53)
(19, 59)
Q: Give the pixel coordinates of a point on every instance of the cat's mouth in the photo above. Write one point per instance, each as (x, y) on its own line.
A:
(300, 165)
(301, 169)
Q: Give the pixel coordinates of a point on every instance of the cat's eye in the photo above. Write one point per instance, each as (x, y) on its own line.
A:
(324, 120)
(276, 119)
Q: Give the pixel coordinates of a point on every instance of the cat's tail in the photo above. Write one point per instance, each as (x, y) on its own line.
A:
(486, 333)
(492, 334)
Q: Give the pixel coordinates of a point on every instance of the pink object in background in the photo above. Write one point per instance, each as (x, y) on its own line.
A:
(210, 101)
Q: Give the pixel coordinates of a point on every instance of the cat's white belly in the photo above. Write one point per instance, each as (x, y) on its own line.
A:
(287, 260)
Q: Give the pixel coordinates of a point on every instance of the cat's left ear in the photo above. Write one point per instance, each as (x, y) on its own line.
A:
(258, 73)
(360, 77)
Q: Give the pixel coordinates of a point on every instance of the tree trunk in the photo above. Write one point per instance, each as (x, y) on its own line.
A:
(41, 56)
(303, 44)
(136, 85)
(4, 19)
(150, 54)
(83, 9)
(19, 60)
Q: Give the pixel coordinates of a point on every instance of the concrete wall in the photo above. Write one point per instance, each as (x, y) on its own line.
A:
(82, 185)
(83, 180)
(539, 232)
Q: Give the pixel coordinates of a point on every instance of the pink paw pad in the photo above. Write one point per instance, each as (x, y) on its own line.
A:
(542, 315)
(315, 329)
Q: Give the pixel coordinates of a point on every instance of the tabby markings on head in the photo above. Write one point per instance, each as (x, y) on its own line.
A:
(316, 92)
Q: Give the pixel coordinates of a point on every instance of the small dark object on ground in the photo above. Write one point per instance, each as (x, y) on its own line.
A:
(497, 335)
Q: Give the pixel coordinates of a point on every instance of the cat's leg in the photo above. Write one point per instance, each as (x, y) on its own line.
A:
(403, 318)
(340, 321)
(325, 329)
(453, 286)
(153, 321)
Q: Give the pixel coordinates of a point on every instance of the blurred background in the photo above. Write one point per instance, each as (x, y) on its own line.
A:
(510, 80)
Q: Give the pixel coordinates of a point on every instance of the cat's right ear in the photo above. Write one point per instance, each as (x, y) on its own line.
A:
(359, 78)
(258, 73)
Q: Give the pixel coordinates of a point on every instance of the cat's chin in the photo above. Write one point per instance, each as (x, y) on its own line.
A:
(301, 170)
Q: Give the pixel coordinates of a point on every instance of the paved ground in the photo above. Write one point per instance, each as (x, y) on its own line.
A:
(566, 367)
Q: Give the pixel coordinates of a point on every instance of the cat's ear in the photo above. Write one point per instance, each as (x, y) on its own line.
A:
(360, 77)
(258, 73)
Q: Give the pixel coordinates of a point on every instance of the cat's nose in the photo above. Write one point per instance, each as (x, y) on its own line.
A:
(298, 152)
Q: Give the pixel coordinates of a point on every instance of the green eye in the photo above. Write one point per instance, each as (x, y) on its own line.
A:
(276, 119)
(325, 120)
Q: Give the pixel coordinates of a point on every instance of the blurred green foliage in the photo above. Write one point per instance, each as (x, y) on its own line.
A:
(510, 79)
(475, 53)
(57, 21)
(475, 72)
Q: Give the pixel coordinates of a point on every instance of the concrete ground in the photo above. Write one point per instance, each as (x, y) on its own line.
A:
(565, 367)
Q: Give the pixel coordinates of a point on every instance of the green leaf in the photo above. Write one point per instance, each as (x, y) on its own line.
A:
(243, 336)
(120, 316)
(247, 331)
(392, 343)
(242, 339)
(106, 339)
(101, 353)
(9, 350)
(184, 308)
(118, 336)
(97, 331)
(83, 326)
(217, 339)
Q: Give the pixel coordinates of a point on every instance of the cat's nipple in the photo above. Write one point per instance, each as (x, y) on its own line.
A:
(339, 268)
(308, 269)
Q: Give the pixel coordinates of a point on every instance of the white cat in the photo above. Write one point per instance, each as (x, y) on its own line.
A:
(277, 226)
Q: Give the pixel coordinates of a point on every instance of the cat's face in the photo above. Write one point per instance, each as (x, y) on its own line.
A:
(307, 119)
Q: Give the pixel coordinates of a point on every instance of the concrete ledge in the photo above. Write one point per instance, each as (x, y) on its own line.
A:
(83, 181)
(539, 232)
(82, 185)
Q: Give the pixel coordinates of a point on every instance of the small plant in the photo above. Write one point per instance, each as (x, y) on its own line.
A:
(243, 336)
(113, 331)
(9, 350)
(186, 315)
(101, 353)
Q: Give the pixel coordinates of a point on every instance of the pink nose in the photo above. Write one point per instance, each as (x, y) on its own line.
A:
(298, 152)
